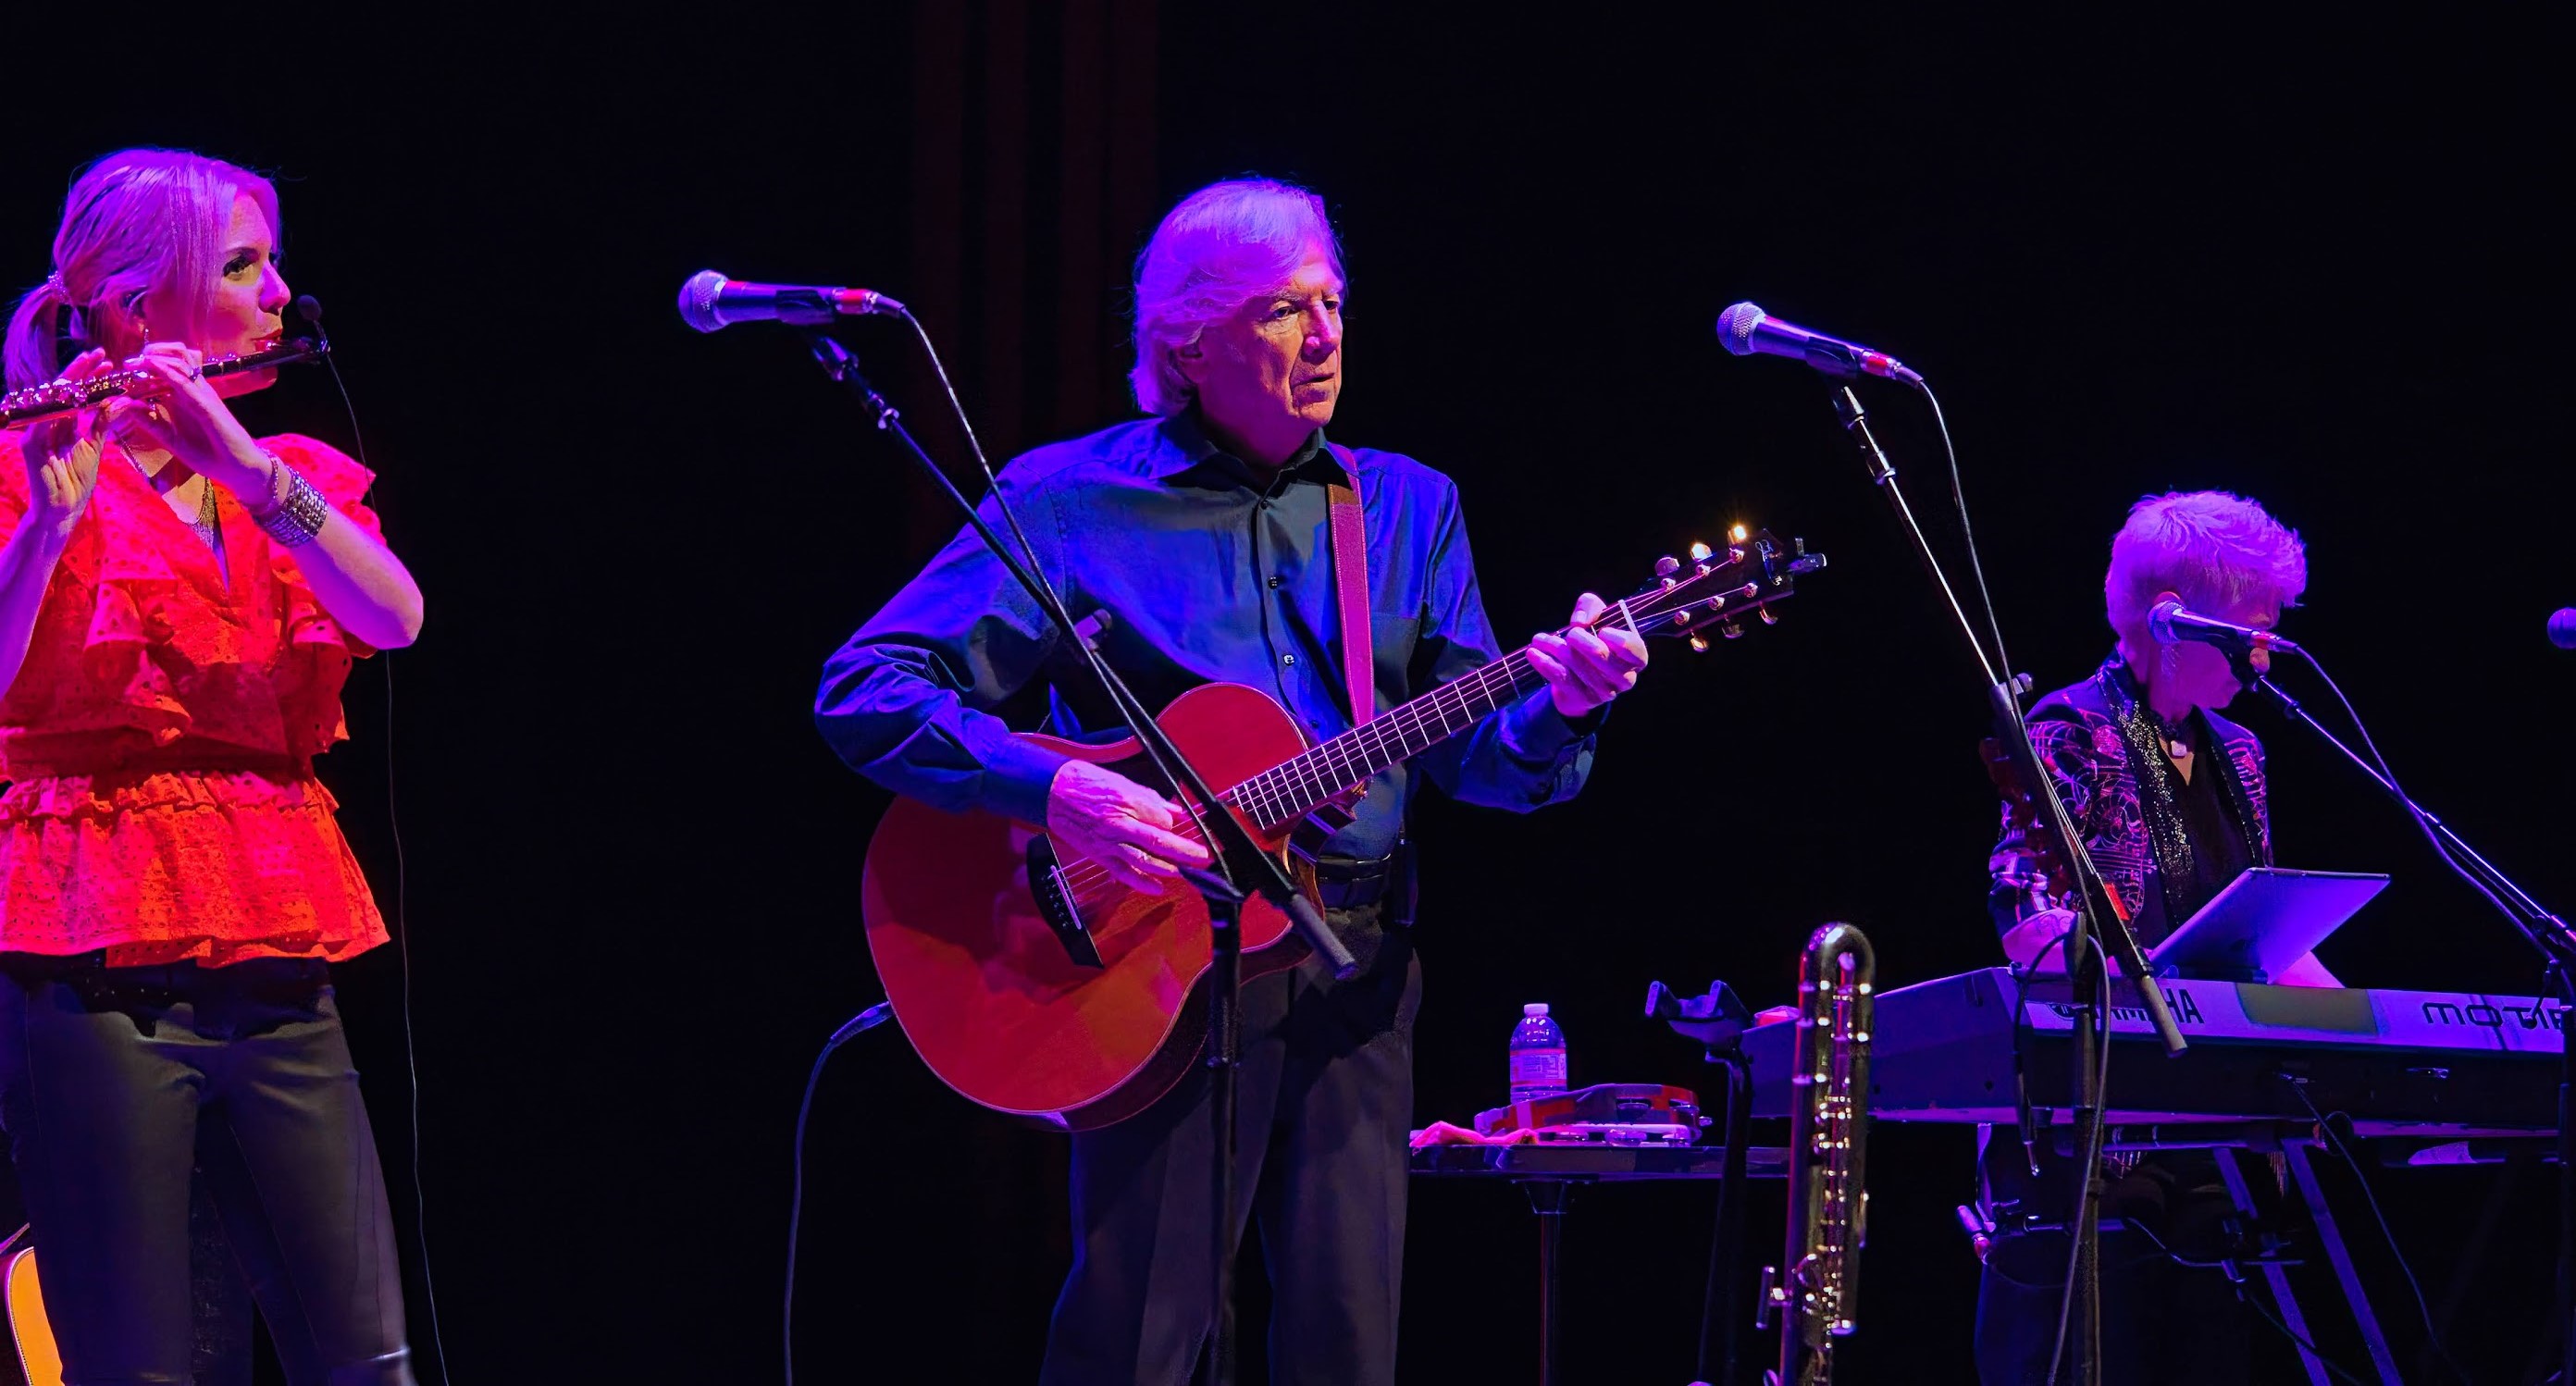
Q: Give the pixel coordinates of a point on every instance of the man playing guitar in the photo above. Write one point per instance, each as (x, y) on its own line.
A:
(1203, 535)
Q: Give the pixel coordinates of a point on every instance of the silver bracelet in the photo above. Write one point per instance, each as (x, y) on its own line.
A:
(294, 521)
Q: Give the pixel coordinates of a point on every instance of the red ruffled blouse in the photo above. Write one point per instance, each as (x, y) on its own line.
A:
(159, 739)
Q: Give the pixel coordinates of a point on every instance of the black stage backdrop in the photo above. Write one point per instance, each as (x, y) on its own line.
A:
(2313, 266)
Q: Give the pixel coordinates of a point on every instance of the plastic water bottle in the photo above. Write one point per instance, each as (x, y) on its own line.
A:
(1538, 1055)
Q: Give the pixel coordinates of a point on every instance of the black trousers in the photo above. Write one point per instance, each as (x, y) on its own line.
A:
(2163, 1323)
(117, 1083)
(1325, 1104)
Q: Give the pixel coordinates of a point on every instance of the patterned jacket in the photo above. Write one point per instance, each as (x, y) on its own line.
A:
(2097, 740)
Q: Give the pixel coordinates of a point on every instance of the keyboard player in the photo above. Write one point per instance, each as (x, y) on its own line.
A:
(2170, 797)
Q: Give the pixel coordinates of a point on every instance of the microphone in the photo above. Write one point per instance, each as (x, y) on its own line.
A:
(710, 301)
(1747, 330)
(2171, 623)
(2562, 628)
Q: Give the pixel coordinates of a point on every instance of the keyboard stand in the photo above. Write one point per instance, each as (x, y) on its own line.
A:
(2292, 1141)
(2295, 1153)
(2276, 1278)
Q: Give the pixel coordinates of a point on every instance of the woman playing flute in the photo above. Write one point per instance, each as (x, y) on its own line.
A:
(179, 604)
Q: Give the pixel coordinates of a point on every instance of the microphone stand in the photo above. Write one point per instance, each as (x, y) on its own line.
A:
(2094, 919)
(1242, 868)
(2549, 936)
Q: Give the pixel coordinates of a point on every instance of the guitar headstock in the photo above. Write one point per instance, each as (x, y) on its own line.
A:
(1715, 589)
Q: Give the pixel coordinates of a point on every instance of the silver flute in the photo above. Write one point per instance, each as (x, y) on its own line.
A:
(1817, 1293)
(55, 398)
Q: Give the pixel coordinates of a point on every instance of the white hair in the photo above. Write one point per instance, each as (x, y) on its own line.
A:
(2212, 549)
(1223, 246)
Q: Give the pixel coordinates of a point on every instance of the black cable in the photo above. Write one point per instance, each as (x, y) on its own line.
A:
(402, 917)
(2088, 1152)
(866, 1020)
(2335, 1139)
(1199, 813)
(2089, 1142)
(2406, 801)
(2275, 1320)
(2245, 1299)
(1968, 534)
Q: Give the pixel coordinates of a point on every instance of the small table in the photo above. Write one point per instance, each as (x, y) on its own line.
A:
(1548, 1174)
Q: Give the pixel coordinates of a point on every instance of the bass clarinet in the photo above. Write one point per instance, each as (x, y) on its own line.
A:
(1818, 1296)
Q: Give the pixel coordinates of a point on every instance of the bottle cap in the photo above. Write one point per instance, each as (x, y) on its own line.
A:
(1535, 1008)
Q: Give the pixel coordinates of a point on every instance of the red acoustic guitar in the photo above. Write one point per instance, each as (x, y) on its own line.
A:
(1043, 988)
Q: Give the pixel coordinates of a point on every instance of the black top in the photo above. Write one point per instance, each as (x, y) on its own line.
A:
(2218, 848)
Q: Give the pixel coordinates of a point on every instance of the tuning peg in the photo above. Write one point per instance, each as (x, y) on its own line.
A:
(1731, 630)
(1667, 565)
(1699, 644)
(1738, 534)
(1699, 552)
(1770, 617)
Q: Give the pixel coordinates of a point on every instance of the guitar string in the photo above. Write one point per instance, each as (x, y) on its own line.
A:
(1274, 793)
(1272, 797)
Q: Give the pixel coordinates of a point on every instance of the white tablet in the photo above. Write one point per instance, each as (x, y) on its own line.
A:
(2265, 920)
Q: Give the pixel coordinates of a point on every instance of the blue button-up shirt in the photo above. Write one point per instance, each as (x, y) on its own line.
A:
(1209, 572)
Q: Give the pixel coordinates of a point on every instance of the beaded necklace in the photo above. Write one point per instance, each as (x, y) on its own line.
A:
(208, 524)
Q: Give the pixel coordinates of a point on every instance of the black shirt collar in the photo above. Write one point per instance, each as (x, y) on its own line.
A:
(1192, 448)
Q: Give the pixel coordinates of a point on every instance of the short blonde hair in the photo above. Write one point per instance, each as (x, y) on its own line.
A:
(1223, 246)
(138, 222)
(2212, 549)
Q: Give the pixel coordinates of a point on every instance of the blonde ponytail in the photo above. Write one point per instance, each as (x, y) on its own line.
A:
(138, 222)
(33, 329)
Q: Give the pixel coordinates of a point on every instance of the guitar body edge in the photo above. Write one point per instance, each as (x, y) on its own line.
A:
(988, 994)
(33, 1359)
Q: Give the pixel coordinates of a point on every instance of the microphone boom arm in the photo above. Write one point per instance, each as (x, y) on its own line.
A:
(1237, 855)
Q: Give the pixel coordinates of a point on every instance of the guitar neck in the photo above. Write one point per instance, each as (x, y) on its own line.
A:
(1296, 787)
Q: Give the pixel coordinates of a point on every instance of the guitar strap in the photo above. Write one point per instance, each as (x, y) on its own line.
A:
(1351, 588)
(1359, 658)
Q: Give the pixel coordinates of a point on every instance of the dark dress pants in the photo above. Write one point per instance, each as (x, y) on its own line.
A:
(1325, 1106)
(117, 1083)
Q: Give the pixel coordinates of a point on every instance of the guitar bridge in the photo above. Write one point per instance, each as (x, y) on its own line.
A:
(1056, 905)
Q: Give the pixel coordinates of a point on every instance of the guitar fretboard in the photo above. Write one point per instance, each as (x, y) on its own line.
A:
(1294, 788)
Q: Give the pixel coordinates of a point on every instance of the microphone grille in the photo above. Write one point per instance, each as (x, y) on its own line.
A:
(2562, 628)
(2160, 620)
(698, 300)
(1735, 327)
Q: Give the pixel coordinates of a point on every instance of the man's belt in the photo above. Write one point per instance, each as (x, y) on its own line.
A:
(1348, 883)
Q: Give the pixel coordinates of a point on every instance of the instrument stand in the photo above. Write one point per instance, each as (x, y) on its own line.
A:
(1237, 857)
(2551, 938)
(1224, 1065)
(2094, 919)
(1718, 1020)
